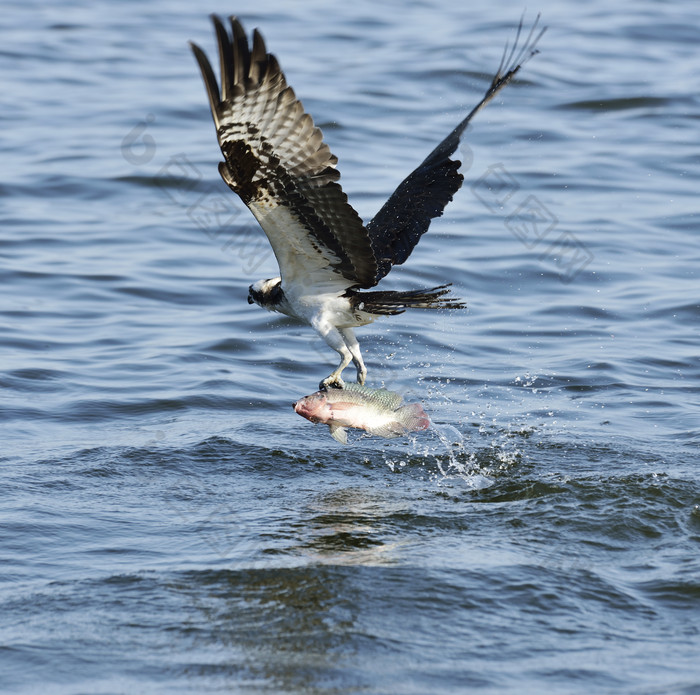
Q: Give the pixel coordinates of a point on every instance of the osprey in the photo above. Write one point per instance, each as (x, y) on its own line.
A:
(276, 161)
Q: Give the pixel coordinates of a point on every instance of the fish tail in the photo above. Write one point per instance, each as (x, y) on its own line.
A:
(413, 417)
(389, 302)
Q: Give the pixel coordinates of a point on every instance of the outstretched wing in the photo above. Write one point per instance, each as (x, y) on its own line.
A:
(277, 162)
(423, 195)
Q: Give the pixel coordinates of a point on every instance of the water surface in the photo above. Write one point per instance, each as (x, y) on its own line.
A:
(170, 525)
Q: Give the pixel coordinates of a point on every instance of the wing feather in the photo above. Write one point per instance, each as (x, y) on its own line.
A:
(422, 195)
(277, 162)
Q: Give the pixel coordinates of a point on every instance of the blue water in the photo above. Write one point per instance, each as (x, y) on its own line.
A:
(169, 525)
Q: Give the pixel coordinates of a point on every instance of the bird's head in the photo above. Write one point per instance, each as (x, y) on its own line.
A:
(266, 293)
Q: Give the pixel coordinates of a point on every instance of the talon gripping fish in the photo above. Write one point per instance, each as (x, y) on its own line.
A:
(376, 411)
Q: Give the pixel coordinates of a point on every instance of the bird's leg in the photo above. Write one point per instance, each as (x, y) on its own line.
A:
(332, 381)
(354, 347)
(333, 337)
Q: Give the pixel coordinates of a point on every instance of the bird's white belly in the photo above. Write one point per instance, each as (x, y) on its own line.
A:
(310, 306)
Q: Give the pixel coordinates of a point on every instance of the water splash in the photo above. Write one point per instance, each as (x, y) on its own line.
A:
(460, 463)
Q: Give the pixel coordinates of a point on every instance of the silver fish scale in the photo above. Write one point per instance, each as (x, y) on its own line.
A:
(381, 398)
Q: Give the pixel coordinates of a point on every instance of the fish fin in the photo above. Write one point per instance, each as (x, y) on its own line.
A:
(413, 417)
(340, 434)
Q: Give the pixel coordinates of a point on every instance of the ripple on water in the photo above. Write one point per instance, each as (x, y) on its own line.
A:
(172, 525)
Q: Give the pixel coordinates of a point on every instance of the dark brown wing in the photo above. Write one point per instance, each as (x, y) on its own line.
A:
(277, 162)
(423, 194)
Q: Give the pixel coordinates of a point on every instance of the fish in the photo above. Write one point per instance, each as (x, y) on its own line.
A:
(377, 411)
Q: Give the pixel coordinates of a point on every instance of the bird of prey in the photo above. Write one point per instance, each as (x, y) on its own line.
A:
(275, 159)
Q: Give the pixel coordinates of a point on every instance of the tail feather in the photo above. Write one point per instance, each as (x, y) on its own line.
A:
(389, 303)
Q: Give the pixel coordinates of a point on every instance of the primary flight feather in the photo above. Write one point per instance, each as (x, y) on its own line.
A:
(276, 161)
